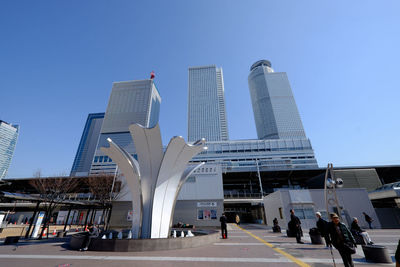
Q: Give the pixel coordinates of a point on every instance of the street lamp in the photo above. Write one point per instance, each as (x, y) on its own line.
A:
(331, 183)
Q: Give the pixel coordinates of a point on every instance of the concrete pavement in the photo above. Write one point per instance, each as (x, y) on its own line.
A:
(247, 245)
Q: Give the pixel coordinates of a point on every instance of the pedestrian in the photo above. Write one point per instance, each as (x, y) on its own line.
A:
(224, 231)
(237, 219)
(276, 228)
(295, 226)
(322, 225)
(342, 239)
(93, 233)
(368, 219)
(397, 255)
(356, 230)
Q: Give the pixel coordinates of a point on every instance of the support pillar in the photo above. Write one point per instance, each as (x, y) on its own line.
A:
(33, 218)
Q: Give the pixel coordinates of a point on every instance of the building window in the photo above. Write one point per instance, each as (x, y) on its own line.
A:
(280, 213)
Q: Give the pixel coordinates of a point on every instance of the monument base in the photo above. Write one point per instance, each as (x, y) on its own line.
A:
(201, 238)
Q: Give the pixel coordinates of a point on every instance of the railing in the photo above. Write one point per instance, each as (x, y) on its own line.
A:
(242, 195)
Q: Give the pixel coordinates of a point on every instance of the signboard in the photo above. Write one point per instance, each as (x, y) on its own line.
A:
(37, 224)
(206, 204)
(206, 214)
(129, 217)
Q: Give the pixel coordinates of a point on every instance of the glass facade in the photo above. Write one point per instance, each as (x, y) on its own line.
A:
(130, 102)
(206, 104)
(87, 145)
(275, 111)
(8, 141)
(248, 155)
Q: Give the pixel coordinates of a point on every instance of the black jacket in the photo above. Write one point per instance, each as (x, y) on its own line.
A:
(335, 239)
(295, 223)
(355, 228)
(322, 225)
(223, 220)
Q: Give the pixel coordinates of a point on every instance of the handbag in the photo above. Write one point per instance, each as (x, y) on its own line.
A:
(349, 248)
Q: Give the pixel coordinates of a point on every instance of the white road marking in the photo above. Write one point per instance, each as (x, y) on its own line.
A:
(190, 259)
(238, 244)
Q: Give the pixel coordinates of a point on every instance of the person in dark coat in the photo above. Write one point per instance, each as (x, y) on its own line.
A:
(322, 225)
(356, 230)
(368, 219)
(397, 255)
(295, 226)
(340, 237)
(224, 231)
(276, 228)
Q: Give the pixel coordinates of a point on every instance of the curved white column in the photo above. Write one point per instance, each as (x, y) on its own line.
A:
(130, 169)
(149, 150)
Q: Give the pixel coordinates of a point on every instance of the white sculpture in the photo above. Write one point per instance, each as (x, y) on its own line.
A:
(119, 235)
(110, 236)
(155, 179)
(174, 234)
(190, 234)
(129, 234)
(182, 234)
(104, 237)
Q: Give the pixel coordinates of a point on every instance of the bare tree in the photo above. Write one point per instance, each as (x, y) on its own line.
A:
(105, 188)
(52, 192)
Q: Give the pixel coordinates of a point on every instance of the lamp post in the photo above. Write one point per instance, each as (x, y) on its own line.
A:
(331, 183)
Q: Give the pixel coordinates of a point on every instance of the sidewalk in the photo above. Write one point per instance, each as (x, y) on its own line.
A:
(244, 247)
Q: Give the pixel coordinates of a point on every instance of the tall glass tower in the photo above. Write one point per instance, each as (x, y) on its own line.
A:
(275, 111)
(87, 145)
(8, 140)
(130, 102)
(206, 104)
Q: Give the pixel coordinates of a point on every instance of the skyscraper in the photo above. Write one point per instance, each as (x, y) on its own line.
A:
(206, 104)
(130, 102)
(275, 111)
(8, 140)
(87, 145)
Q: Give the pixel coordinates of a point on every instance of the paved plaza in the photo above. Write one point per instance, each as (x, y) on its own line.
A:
(248, 245)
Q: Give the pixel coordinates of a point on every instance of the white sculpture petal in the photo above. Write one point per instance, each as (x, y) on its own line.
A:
(169, 181)
(130, 168)
(149, 150)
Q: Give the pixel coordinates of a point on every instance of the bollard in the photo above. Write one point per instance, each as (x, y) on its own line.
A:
(377, 254)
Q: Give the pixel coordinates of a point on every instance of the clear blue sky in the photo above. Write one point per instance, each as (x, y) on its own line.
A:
(58, 60)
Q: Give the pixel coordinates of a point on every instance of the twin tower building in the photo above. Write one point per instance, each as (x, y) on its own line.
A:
(281, 144)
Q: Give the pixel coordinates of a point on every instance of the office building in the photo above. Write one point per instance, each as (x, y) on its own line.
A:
(206, 104)
(87, 145)
(8, 140)
(275, 111)
(130, 102)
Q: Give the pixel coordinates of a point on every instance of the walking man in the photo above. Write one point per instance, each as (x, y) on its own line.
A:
(368, 220)
(224, 231)
(322, 225)
(295, 224)
(342, 239)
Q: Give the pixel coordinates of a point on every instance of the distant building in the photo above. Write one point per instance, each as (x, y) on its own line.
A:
(130, 102)
(263, 155)
(206, 104)
(353, 201)
(87, 145)
(8, 140)
(275, 111)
